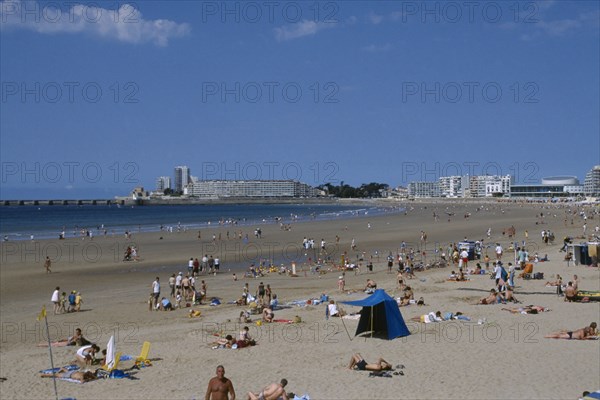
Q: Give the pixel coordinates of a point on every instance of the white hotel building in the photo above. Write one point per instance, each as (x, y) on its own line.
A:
(258, 188)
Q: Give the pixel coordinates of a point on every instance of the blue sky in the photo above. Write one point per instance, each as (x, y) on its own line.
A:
(99, 97)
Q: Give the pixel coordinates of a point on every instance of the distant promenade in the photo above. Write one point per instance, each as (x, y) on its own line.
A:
(128, 201)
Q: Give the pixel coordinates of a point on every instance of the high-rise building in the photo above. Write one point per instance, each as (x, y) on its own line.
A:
(591, 184)
(163, 183)
(182, 178)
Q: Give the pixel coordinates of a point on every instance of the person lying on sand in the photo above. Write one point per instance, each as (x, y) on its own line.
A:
(429, 318)
(66, 374)
(226, 342)
(358, 362)
(274, 391)
(526, 310)
(557, 282)
(589, 332)
(492, 298)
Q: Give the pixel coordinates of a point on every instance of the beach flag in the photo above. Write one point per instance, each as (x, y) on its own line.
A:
(42, 314)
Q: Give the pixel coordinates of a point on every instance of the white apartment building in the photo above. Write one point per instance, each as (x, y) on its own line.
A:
(258, 188)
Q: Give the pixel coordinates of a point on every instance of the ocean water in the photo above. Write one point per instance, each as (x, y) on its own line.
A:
(20, 222)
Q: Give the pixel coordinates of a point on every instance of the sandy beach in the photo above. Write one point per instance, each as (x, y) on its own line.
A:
(505, 357)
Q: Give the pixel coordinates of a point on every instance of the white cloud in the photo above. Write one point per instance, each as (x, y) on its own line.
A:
(374, 48)
(125, 24)
(375, 18)
(300, 29)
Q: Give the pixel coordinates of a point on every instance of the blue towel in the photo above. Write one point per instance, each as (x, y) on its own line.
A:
(71, 367)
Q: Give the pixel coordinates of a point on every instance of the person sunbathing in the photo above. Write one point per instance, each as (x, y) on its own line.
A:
(531, 309)
(358, 362)
(557, 282)
(429, 318)
(274, 391)
(492, 298)
(587, 333)
(226, 342)
(64, 373)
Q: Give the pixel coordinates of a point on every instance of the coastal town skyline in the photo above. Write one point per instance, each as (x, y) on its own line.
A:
(97, 99)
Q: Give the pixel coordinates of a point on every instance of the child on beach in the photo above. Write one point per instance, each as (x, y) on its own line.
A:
(63, 303)
(78, 301)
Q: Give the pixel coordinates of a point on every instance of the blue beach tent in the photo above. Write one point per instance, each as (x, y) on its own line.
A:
(380, 313)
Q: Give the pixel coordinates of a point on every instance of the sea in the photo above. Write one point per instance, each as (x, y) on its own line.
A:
(43, 222)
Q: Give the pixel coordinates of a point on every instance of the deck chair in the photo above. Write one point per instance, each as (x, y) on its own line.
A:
(144, 353)
(115, 364)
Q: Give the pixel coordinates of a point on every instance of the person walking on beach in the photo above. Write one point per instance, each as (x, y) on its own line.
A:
(56, 300)
(48, 264)
(499, 251)
(219, 387)
(156, 291)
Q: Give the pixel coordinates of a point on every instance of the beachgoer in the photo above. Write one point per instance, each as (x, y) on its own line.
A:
(172, 280)
(56, 300)
(274, 391)
(165, 304)
(371, 286)
(219, 387)
(260, 292)
(429, 318)
(358, 362)
(570, 293)
(332, 310)
(268, 315)
(86, 353)
(64, 373)
(48, 264)
(492, 298)
(526, 310)
(78, 301)
(589, 332)
(156, 291)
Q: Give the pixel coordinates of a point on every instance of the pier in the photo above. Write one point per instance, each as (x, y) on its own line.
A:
(88, 202)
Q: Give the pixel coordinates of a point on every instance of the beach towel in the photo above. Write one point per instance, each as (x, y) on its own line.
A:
(304, 397)
(71, 367)
(69, 380)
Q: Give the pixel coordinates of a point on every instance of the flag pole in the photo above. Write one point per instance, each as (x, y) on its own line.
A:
(43, 313)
